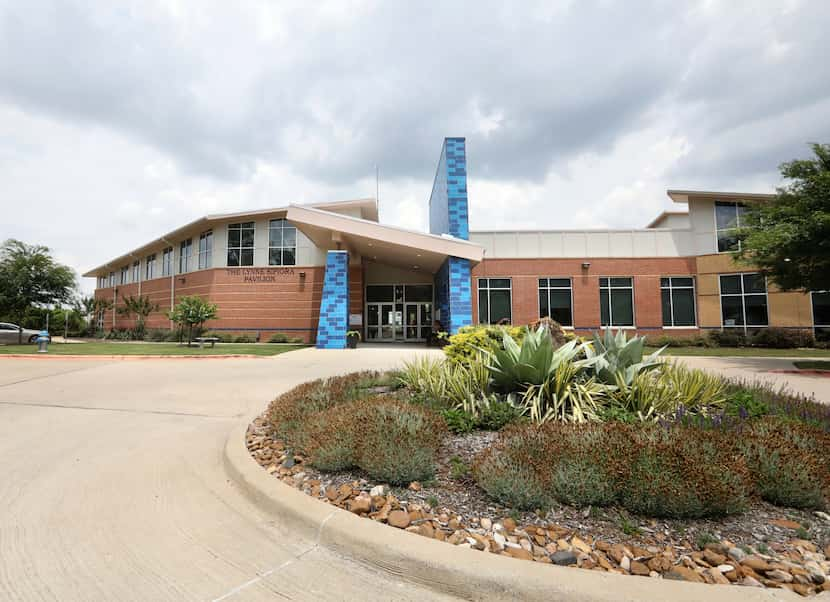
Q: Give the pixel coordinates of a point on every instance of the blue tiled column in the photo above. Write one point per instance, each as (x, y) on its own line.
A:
(334, 306)
(454, 294)
(448, 212)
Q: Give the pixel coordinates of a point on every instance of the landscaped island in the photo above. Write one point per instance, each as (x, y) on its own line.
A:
(579, 453)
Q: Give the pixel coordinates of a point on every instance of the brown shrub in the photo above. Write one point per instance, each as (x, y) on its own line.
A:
(554, 328)
(788, 461)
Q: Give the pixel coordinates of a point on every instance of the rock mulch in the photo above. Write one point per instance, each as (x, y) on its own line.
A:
(761, 548)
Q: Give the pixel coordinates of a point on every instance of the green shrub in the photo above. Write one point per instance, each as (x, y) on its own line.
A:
(727, 338)
(157, 334)
(223, 337)
(509, 471)
(331, 440)
(445, 385)
(783, 338)
(685, 473)
(497, 414)
(399, 441)
(279, 337)
(465, 346)
(669, 341)
(742, 402)
(244, 338)
(615, 357)
(458, 421)
(788, 461)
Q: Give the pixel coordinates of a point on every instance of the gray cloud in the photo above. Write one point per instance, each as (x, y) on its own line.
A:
(262, 103)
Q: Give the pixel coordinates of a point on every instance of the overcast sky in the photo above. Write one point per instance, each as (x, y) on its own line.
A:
(119, 123)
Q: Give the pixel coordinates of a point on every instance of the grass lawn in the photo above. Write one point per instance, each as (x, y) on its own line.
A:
(813, 365)
(742, 352)
(112, 348)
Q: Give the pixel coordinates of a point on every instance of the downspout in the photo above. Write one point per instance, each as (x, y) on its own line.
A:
(172, 274)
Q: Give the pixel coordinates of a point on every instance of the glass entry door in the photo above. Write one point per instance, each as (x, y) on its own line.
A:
(398, 312)
(418, 318)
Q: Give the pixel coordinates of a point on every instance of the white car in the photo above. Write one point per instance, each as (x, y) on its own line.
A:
(9, 334)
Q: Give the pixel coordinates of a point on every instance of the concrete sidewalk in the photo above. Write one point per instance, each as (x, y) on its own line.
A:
(113, 488)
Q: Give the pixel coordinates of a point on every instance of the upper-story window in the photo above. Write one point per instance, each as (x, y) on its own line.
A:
(555, 300)
(150, 267)
(494, 300)
(821, 314)
(616, 302)
(112, 279)
(206, 249)
(136, 271)
(185, 253)
(282, 243)
(728, 218)
(124, 277)
(102, 282)
(167, 262)
(241, 244)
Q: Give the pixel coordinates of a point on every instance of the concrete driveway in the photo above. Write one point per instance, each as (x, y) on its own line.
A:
(768, 369)
(112, 484)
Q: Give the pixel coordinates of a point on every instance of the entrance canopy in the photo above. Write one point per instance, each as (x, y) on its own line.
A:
(395, 246)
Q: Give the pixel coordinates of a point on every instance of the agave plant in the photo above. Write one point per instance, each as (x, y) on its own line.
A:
(617, 358)
(517, 367)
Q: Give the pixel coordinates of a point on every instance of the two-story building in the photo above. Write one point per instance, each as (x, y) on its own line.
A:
(316, 271)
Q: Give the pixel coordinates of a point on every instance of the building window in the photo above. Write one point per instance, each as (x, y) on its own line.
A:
(124, 277)
(678, 299)
(616, 302)
(136, 271)
(185, 252)
(728, 218)
(821, 314)
(102, 281)
(743, 300)
(150, 267)
(167, 262)
(494, 300)
(241, 244)
(112, 279)
(282, 243)
(555, 300)
(99, 320)
(206, 249)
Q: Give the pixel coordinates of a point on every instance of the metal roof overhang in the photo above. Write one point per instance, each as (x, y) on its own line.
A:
(384, 244)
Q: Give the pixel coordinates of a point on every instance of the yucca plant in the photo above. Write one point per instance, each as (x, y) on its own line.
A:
(617, 357)
(532, 362)
(565, 396)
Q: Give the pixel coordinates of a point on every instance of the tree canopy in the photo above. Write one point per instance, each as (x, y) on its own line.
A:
(30, 277)
(192, 311)
(788, 238)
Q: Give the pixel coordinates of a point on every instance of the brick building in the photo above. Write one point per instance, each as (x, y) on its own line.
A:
(316, 271)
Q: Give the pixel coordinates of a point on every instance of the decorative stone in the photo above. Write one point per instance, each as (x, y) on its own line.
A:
(736, 554)
(751, 582)
(360, 505)
(378, 490)
(779, 575)
(399, 519)
(486, 524)
(785, 523)
(625, 563)
(563, 558)
(713, 558)
(415, 486)
(509, 524)
(638, 568)
(580, 545)
(756, 563)
(521, 554)
(682, 573)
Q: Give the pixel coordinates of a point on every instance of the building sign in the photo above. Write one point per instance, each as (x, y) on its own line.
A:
(355, 319)
(254, 275)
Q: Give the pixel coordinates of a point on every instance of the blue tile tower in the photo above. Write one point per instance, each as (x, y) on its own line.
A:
(334, 306)
(448, 214)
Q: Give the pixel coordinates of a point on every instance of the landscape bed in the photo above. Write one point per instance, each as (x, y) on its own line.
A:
(583, 454)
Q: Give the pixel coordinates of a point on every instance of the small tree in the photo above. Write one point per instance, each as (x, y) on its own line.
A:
(90, 307)
(142, 307)
(192, 311)
(30, 277)
(788, 238)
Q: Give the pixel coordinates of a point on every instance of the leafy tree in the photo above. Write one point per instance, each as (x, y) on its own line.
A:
(142, 307)
(90, 307)
(788, 238)
(29, 277)
(192, 311)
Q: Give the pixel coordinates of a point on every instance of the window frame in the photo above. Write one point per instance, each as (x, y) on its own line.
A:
(136, 275)
(743, 295)
(185, 254)
(816, 325)
(124, 275)
(168, 257)
(150, 267)
(241, 227)
(609, 288)
(737, 204)
(284, 225)
(488, 288)
(548, 288)
(671, 288)
(205, 260)
(111, 280)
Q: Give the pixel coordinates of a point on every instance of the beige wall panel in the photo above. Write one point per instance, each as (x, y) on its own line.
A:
(707, 284)
(789, 309)
(709, 311)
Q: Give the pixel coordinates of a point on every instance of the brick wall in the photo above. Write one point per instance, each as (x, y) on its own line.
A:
(646, 274)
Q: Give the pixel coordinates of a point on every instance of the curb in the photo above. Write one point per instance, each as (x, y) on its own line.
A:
(460, 572)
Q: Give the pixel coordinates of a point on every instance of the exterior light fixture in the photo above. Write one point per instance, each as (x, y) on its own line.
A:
(787, 260)
(586, 265)
(302, 274)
